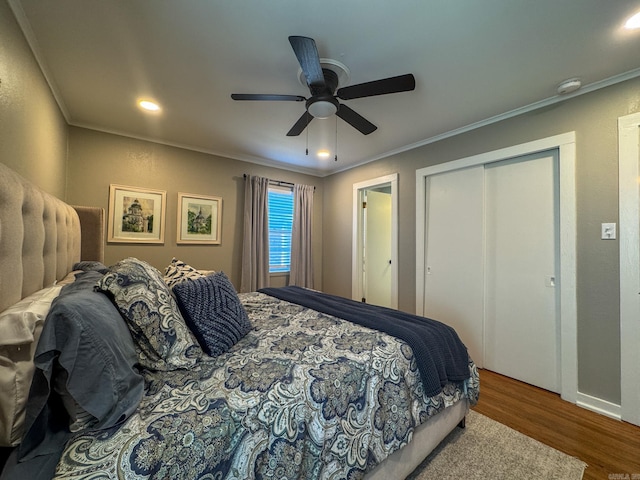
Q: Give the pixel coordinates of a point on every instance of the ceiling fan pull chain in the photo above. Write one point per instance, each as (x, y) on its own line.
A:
(335, 158)
(307, 150)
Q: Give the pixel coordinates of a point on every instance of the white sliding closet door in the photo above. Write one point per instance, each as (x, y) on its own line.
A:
(521, 318)
(491, 255)
(454, 251)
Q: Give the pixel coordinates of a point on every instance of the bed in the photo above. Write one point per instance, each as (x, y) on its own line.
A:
(130, 372)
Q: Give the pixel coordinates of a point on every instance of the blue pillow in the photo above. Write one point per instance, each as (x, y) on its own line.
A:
(85, 362)
(91, 266)
(161, 336)
(213, 312)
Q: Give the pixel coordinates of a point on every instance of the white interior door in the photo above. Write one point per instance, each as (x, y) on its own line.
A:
(377, 248)
(453, 280)
(521, 318)
(388, 185)
(629, 190)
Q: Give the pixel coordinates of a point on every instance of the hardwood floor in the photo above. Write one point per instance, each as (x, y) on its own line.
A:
(611, 448)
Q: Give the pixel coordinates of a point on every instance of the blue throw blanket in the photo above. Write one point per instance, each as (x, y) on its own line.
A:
(440, 354)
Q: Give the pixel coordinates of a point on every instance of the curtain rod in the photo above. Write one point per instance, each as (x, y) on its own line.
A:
(277, 182)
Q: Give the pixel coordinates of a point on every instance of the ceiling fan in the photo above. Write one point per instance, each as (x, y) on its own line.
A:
(323, 84)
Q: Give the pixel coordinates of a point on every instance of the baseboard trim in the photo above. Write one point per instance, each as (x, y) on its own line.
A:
(599, 406)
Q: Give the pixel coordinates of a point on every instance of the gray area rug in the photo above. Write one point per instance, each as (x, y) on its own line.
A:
(486, 449)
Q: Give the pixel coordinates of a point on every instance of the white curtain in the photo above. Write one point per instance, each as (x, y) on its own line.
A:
(301, 269)
(255, 244)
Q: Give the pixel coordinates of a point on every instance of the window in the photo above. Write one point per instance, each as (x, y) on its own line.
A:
(280, 224)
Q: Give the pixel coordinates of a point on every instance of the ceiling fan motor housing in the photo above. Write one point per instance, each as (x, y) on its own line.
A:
(322, 103)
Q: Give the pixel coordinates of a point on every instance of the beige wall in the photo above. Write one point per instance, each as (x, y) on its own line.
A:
(97, 160)
(593, 117)
(33, 132)
(77, 165)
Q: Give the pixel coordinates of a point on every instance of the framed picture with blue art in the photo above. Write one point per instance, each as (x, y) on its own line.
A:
(136, 215)
(199, 219)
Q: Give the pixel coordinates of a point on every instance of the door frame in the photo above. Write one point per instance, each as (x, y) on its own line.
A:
(357, 235)
(566, 145)
(629, 235)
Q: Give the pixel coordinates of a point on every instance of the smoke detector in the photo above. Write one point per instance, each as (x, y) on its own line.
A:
(569, 86)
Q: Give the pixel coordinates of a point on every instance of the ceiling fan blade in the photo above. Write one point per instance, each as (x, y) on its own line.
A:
(309, 60)
(356, 120)
(300, 125)
(401, 83)
(258, 96)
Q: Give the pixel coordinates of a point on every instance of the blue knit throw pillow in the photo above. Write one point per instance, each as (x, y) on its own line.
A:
(213, 312)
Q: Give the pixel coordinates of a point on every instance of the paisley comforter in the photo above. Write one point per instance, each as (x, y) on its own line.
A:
(303, 395)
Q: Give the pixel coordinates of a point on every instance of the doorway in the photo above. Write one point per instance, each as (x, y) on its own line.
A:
(375, 240)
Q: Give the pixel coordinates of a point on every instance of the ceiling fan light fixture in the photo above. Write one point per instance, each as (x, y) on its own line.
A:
(322, 109)
(324, 153)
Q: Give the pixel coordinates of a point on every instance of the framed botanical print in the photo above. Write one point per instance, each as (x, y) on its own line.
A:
(199, 219)
(136, 215)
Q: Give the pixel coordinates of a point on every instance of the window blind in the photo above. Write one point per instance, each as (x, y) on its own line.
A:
(280, 224)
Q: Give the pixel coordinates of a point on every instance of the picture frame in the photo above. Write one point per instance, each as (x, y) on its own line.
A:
(136, 215)
(199, 219)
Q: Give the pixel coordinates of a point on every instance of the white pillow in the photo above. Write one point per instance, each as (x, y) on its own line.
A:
(20, 328)
(18, 322)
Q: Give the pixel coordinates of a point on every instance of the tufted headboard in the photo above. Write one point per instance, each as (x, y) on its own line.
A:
(40, 237)
(92, 224)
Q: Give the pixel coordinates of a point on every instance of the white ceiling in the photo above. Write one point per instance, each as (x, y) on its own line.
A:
(474, 61)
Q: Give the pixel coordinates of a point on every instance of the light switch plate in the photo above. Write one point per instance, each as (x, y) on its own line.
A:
(608, 231)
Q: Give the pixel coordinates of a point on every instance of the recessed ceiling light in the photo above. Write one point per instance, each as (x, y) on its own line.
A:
(633, 22)
(149, 106)
(323, 153)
